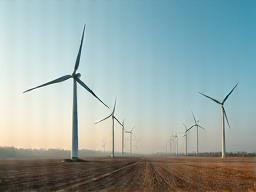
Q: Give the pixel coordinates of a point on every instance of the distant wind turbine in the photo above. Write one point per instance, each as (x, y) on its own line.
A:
(113, 127)
(104, 146)
(177, 143)
(76, 79)
(130, 132)
(186, 139)
(195, 125)
(123, 138)
(171, 139)
(223, 117)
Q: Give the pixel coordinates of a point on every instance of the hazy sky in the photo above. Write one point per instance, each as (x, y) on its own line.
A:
(154, 56)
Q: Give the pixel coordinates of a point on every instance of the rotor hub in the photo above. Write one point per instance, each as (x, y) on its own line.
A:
(77, 75)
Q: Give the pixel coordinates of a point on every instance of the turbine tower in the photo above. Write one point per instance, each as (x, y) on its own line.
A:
(195, 125)
(76, 79)
(123, 138)
(177, 143)
(223, 117)
(104, 146)
(171, 139)
(186, 140)
(130, 132)
(113, 125)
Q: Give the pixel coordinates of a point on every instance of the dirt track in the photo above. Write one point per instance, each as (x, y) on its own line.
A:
(158, 174)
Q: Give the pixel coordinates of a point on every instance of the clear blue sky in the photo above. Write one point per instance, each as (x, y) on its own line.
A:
(154, 56)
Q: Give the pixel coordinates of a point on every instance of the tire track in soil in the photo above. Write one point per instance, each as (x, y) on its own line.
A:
(102, 181)
(182, 180)
(90, 175)
(126, 180)
(54, 178)
(156, 180)
(171, 180)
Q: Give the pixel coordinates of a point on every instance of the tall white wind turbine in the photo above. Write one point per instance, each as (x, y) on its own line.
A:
(223, 117)
(195, 125)
(76, 79)
(130, 132)
(113, 127)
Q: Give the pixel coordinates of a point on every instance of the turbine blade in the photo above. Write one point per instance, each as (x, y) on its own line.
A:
(63, 78)
(226, 117)
(185, 127)
(194, 117)
(190, 128)
(229, 94)
(103, 119)
(201, 127)
(210, 98)
(88, 89)
(118, 121)
(79, 53)
(114, 108)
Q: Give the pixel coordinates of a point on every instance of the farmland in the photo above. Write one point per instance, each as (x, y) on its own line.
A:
(130, 174)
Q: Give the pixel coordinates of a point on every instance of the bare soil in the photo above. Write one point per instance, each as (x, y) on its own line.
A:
(130, 174)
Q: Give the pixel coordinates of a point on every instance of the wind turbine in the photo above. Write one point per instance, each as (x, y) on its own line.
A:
(123, 138)
(195, 125)
(130, 132)
(76, 79)
(223, 117)
(104, 146)
(186, 140)
(177, 143)
(113, 130)
(171, 139)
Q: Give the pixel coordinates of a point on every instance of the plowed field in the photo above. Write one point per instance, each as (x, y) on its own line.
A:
(130, 174)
